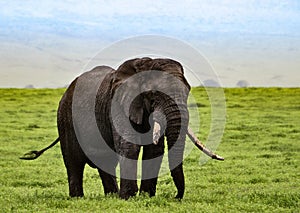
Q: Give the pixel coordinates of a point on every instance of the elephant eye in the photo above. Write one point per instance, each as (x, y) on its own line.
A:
(152, 104)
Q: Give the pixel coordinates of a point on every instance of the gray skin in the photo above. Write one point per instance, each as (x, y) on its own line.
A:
(140, 118)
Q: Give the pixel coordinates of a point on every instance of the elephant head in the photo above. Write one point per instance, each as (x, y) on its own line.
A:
(156, 100)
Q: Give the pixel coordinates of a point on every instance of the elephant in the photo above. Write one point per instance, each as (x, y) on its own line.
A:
(135, 106)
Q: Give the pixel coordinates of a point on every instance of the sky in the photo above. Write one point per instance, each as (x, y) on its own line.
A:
(49, 43)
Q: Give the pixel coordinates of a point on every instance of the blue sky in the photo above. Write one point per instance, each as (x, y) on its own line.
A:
(48, 43)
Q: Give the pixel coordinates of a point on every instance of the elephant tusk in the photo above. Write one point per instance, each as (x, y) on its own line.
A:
(156, 132)
(201, 146)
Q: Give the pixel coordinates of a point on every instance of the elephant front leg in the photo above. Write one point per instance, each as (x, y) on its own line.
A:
(152, 158)
(128, 169)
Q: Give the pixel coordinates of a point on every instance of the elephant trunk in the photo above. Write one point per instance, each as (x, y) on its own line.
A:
(177, 123)
(177, 118)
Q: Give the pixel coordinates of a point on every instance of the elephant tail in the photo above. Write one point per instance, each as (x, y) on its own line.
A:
(35, 154)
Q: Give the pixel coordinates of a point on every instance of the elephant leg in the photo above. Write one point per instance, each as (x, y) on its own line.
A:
(129, 153)
(109, 181)
(74, 160)
(75, 176)
(152, 158)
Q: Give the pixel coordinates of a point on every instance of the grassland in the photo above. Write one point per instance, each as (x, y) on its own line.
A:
(261, 146)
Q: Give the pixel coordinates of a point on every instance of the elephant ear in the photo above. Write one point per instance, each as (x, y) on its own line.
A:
(123, 73)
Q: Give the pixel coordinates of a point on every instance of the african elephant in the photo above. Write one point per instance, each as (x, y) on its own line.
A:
(130, 112)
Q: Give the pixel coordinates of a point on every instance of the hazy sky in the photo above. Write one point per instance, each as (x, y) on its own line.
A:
(48, 43)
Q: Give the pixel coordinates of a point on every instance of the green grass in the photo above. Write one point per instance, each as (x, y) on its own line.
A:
(261, 146)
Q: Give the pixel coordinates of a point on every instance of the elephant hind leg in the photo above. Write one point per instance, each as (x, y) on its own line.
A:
(75, 161)
(109, 182)
(75, 176)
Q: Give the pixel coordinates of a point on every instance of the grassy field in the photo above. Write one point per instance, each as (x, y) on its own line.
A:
(261, 171)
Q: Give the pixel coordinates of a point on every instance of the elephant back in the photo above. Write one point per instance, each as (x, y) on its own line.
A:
(82, 109)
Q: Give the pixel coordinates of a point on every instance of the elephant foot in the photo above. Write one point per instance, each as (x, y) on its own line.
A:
(128, 189)
(178, 178)
(76, 190)
(76, 194)
(179, 195)
(75, 182)
(109, 182)
(149, 186)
